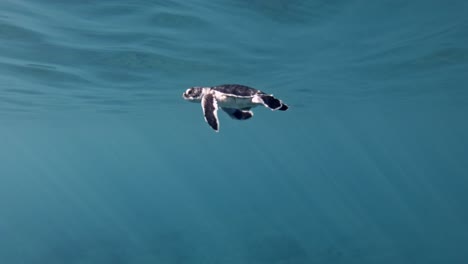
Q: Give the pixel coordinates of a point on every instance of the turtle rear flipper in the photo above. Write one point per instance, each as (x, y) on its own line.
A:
(271, 102)
(238, 114)
(283, 107)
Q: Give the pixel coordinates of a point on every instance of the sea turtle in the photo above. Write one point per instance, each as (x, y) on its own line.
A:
(234, 99)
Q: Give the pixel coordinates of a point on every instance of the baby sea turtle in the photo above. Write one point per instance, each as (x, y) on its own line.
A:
(234, 99)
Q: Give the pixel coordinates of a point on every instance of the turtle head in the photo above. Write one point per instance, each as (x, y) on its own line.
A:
(193, 94)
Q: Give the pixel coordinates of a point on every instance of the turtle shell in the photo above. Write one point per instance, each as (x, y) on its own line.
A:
(237, 90)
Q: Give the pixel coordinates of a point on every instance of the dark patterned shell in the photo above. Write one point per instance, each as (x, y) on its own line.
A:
(237, 90)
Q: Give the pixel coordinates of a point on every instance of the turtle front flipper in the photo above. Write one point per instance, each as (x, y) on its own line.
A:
(210, 111)
(238, 114)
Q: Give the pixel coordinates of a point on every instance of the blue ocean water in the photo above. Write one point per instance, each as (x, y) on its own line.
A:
(102, 161)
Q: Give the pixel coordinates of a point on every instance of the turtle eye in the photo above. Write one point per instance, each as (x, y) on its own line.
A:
(189, 91)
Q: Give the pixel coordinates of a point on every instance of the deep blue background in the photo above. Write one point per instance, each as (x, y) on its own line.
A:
(101, 161)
